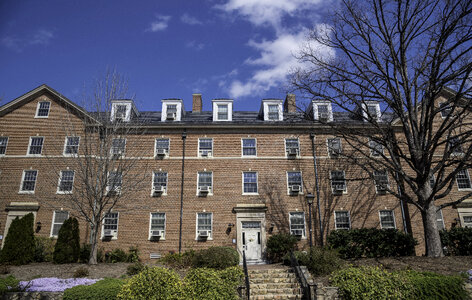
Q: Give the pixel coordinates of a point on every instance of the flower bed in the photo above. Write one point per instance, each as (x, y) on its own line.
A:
(53, 284)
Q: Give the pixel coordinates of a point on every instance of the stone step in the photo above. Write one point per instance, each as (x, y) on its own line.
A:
(272, 285)
(276, 297)
(276, 291)
(269, 271)
(273, 275)
(272, 280)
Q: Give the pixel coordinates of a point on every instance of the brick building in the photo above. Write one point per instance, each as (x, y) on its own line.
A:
(246, 174)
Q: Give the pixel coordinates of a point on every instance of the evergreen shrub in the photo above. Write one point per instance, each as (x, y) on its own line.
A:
(179, 261)
(319, 261)
(217, 257)
(116, 256)
(43, 249)
(205, 283)
(278, 245)
(458, 241)
(106, 289)
(67, 249)
(19, 243)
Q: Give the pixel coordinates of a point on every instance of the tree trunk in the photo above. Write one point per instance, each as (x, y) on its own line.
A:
(93, 245)
(431, 233)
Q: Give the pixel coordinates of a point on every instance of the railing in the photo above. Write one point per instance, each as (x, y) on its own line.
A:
(248, 292)
(306, 289)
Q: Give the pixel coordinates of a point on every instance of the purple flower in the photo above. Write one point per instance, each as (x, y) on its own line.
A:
(54, 284)
(470, 274)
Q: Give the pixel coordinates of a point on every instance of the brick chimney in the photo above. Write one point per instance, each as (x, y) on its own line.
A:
(290, 104)
(197, 103)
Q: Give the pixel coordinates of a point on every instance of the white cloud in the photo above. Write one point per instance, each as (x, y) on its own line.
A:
(159, 24)
(40, 37)
(195, 45)
(187, 19)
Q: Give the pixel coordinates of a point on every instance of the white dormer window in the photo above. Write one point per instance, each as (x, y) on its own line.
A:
(322, 111)
(122, 110)
(371, 110)
(272, 110)
(172, 110)
(222, 110)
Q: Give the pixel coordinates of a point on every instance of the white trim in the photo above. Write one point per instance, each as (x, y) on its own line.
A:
(211, 151)
(65, 147)
(37, 110)
(265, 106)
(155, 146)
(315, 110)
(464, 212)
(117, 189)
(52, 223)
(331, 183)
(301, 183)
(441, 110)
(29, 146)
(115, 232)
(122, 153)
(442, 220)
(304, 222)
(285, 146)
(470, 183)
(210, 236)
(393, 216)
(376, 185)
(23, 179)
(242, 146)
(340, 147)
(59, 183)
(163, 237)
(179, 109)
(129, 106)
(210, 193)
(257, 182)
(364, 106)
(216, 103)
(152, 183)
(348, 218)
(6, 145)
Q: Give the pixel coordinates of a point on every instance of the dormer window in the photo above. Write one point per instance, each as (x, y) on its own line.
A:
(272, 110)
(172, 110)
(222, 110)
(123, 110)
(371, 111)
(322, 111)
(120, 114)
(42, 110)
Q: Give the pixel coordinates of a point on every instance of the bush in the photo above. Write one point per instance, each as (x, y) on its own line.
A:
(67, 247)
(153, 283)
(176, 260)
(43, 248)
(4, 269)
(18, 248)
(81, 272)
(427, 285)
(458, 240)
(133, 255)
(135, 268)
(216, 258)
(116, 256)
(204, 283)
(278, 245)
(319, 261)
(9, 283)
(84, 253)
(106, 289)
(371, 242)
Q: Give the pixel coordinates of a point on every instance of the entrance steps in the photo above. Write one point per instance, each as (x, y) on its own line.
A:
(276, 282)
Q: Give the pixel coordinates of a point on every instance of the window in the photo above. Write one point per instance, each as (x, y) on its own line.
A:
(322, 111)
(120, 112)
(29, 181)
(158, 223)
(205, 147)
(118, 147)
(387, 219)
(334, 147)
(162, 147)
(292, 147)
(372, 111)
(171, 112)
(455, 145)
(297, 224)
(222, 112)
(463, 179)
(114, 181)
(3, 145)
(466, 219)
(110, 225)
(58, 219)
(376, 149)
(36, 145)
(159, 182)
(381, 181)
(43, 109)
(342, 220)
(445, 109)
(440, 220)
(432, 181)
(66, 182)
(294, 182)
(72, 145)
(273, 112)
(249, 147)
(204, 225)
(338, 182)
(205, 180)
(250, 182)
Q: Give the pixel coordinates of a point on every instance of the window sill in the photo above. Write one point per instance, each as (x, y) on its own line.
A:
(26, 192)
(464, 190)
(33, 155)
(64, 193)
(250, 194)
(41, 117)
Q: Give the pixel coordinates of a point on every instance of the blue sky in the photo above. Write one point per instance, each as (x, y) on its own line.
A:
(238, 49)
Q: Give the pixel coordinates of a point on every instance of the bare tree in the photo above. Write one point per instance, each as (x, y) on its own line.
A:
(404, 55)
(103, 165)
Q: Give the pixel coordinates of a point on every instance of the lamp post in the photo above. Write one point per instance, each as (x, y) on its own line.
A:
(309, 199)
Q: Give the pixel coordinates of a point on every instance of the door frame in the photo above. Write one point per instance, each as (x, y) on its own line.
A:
(250, 213)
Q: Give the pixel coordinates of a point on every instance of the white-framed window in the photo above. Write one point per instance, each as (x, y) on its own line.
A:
(381, 181)
(159, 182)
(297, 224)
(250, 183)
(371, 111)
(110, 225)
(322, 111)
(292, 147)
(42, 111)
(35, 145)
(273, 114)
(387, 219)
(71, 145)
(445, 109)
(162, 147)
(294, 182)
(172, 110)
(249, 147)
(376, 149)
(118, 146)
(334, 147)
(205, 183)
(66, 182)
(272, 110)
(157, 225)
(114, 181)
(440, 219)
(338, 182)
(463, 180)
(121, 112)
(455, 145)
(465, 217)
(342, 220)
(222, 112)
(3, 145)
(28, 182)
(222, 109)
(204, 226)
(58, 218)
(205, 147)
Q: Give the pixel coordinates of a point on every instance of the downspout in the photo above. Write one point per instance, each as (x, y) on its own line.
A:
(405, 228)
(184, 137)
(317, 186)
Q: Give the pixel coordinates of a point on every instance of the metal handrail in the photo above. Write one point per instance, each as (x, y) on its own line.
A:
(300, 276)
(246, 275)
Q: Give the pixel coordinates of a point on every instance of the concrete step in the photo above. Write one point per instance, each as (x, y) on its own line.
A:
(276, 297)
(275, 291)
(272, 285)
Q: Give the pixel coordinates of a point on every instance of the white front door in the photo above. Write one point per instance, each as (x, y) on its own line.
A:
(251, 240)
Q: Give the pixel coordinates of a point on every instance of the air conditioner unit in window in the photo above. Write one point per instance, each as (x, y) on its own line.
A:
(381, 188)
(119, 119)
(297, 232)
(205, 153)
(295, 189)
(170, 116)
(117, 154)
(323, 116)
(161, 152)
(204, 189)
(112, 192)
(156, 233)
(203, 234)
(158, 191)
(108, 233)
(292, 152)
(339, 187)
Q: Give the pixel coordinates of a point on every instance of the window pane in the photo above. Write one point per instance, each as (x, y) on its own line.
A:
(29, 180)
(249, 147)
(338, 182)
(160, 179)
(204, 221)
(273, 112)
(206, 144)
(342, 220)
(294, 178)
(72, 145)
(375, 148)
(386, 219)
(3, 144)
(59, 218)
(223, 112)
(111, 221)
(372, 111)
(158, 221)
(118, 146)
(162, 144)
(171, 108)
(291, 143)
(455, 145)
(204, 179)
(36, 145)
(114, 180)
(297, 222)
(445, 109)
(120, 111)
(334, 146)
(439, 218)
(250, 182)
(67, 180)
(463, 181)
(43, 110)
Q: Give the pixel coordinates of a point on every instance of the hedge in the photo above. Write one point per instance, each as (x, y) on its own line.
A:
(458, 241)
(217, 257)
(319, 261)
(19, 243)
(106, 289)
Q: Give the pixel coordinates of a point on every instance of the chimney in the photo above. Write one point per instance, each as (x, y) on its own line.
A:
(289, 104)
(197, 103)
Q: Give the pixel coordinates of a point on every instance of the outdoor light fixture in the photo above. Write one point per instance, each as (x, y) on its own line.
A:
(309, 199)
(228, 230)
(271, 228)
(38, 226)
